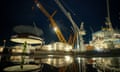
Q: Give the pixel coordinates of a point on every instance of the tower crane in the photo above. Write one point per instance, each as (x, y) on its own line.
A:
(53, 23)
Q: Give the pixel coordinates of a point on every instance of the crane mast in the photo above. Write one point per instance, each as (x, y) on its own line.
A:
(68, 15)
(53, 23)
(77, 32)
(108, 17)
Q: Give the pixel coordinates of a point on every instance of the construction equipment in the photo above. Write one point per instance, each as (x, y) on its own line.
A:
(53, 23)
(77, 32)
(60, 36)
(77, 41)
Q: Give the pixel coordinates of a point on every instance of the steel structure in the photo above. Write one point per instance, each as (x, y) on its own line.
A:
(53, 23)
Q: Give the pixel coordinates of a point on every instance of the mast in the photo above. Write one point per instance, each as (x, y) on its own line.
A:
(68, 15)
(108, 23)
(79, 37)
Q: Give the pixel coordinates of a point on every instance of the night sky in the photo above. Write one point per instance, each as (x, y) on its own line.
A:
(25, 12)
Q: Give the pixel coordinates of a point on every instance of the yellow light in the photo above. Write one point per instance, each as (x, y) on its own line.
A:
(50, 48)
(50, 55)
(1, 49)
(67, 58)
(68, 48)
(55, 29)
(49, 60)
(78, 59)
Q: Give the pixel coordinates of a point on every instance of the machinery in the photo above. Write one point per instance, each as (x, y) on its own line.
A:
(53, 23)
(78, 43)
(59, 34)
(61, 54)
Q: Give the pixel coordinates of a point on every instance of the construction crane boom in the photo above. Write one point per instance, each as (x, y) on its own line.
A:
(53, 23)
(78, 33)
(68, 15)
(75, 27)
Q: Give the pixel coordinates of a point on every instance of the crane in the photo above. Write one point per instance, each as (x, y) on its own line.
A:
(78, 32)
(53, 23)
(108, 21)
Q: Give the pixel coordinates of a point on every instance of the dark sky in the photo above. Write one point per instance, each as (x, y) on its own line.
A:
(24, 12)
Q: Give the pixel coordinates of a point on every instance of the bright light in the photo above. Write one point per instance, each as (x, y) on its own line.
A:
(78, 59)
(67, 58)
(38, 5)
(49, 60)
(1, 49)
(68, 48)
(50, 55)
(98, 49)
(55, 28)
(50, 48)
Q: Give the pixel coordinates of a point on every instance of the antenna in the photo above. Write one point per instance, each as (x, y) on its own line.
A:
(108, 17)
(108, 10)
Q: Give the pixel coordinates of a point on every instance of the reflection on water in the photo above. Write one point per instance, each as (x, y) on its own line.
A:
(112, 64)
(79, 64)
(59, 62)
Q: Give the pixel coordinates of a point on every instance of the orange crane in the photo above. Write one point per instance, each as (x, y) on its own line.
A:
(53, 23)
(60, 36)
